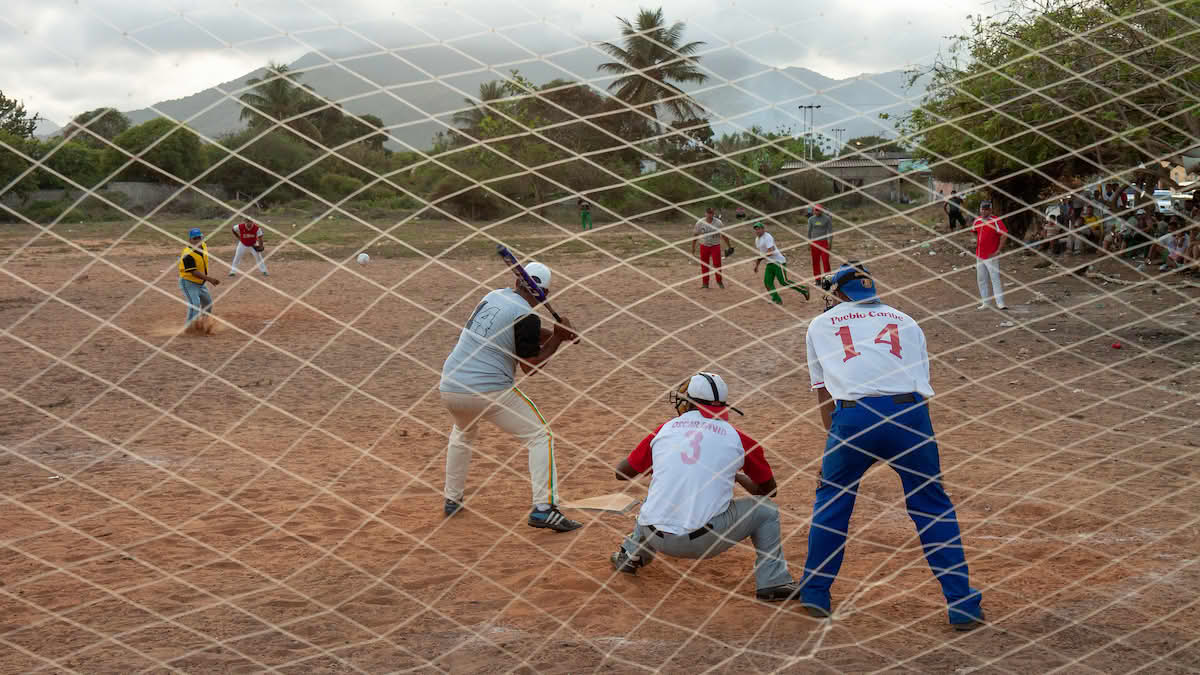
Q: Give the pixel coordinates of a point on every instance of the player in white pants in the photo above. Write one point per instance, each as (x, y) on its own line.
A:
(249, 236)
(478, 385)
(989, 237)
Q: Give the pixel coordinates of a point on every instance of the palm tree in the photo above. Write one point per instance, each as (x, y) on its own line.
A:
(471, 119)
(279, 96)
(648, 64)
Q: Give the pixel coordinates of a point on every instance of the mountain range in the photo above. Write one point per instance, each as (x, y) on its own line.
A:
(415, 91)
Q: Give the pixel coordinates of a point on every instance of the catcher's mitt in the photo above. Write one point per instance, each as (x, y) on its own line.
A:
(260, 248)
(728, 251)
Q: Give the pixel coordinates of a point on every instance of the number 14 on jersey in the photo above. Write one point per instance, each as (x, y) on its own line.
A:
(890, 335)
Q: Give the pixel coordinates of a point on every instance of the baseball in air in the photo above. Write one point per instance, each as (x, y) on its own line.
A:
(363, 258)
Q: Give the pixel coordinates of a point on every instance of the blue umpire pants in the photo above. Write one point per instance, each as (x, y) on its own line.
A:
(901, 434)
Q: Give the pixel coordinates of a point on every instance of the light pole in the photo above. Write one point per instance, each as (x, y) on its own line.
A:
(810, 111)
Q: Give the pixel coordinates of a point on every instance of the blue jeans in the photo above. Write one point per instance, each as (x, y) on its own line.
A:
(753, 517)
(198, 299)
(901, 434)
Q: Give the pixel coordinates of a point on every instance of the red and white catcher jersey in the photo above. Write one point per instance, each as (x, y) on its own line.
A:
(248, 233)
(860, 349)
(695, 458)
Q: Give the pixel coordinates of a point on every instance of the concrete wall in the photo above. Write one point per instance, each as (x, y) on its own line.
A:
(131, 195)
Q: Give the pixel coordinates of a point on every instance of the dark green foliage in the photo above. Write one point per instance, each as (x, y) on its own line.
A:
(164, 150)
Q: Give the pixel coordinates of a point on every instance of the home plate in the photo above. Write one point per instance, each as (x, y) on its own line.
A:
(617, 501)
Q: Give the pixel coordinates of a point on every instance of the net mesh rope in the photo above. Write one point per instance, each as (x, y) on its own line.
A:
(772, 638)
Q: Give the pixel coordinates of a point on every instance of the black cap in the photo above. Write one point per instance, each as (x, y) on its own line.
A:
(985, 204)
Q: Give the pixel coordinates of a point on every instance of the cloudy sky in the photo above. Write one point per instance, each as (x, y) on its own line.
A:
(62, 57)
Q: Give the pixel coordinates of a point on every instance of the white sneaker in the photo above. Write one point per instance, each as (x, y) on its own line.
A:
(983, 307)
(1163, 268)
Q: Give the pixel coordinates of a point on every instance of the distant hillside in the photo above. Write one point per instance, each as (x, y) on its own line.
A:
(45, 128)
(740, 93)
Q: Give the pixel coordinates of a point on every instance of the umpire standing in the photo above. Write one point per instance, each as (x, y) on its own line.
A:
(870, 370)
(820, 239)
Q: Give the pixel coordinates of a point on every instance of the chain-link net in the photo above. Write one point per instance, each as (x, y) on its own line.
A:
(263, 483)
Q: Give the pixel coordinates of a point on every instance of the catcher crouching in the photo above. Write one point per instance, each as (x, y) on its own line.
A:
(690, 511)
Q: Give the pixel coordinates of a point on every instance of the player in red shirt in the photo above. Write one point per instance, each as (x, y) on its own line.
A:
(989, 237)
(690, 511)
(249, 235)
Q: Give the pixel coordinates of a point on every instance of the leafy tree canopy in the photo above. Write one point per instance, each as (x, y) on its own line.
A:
(14, 119)
(107, 123)
(1053, 89)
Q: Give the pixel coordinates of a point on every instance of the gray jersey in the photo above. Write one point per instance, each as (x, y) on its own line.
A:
(485, 357)
(820, 227)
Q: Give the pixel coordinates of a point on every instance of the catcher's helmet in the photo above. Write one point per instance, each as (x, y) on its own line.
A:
(703, 388)
(853, 279)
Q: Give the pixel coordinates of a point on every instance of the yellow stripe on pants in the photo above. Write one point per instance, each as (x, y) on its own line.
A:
(549, 443)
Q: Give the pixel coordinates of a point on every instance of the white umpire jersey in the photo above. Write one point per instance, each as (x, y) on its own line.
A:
(861, 349)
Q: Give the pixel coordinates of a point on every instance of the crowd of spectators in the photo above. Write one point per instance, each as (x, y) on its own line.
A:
(1107, 223)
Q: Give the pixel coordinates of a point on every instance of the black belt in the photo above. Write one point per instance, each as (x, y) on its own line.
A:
(694, 534)
(898, 398)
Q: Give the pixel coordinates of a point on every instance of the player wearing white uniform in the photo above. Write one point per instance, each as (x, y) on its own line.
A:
(249, 237)
(776, 264)
(870, 369)
(690, 511)
(478, 385)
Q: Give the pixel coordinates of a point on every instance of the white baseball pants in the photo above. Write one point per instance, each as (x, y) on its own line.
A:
(513, 412)
(986, 270)
(237, 258)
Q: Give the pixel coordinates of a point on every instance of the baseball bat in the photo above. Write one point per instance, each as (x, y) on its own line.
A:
(534, 288)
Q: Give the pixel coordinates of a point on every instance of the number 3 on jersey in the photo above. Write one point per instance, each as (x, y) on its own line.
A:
(890, 335)
(693, 437)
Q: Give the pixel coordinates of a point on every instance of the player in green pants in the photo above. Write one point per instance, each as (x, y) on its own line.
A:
(585, 214)
(776, 264)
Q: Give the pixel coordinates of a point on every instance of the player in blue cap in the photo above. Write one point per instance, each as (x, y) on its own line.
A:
(193, 274)
(870, 370)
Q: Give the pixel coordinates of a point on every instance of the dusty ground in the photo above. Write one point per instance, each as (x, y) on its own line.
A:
(268, 498)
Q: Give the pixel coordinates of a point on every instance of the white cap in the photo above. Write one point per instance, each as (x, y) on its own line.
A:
(701, 387)
(539, 273)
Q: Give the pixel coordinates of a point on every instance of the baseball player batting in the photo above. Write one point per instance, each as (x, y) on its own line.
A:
(478, 385)
(870, 370)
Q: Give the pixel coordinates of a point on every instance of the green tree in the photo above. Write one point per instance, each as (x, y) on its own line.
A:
(1057, 89)
(107, 123)
(13, 150)
(77, 163)
(373, 141)
(278, 96)
(15, 120)
(236, 161)
(471, 119)
(650, 61)
(178, 155)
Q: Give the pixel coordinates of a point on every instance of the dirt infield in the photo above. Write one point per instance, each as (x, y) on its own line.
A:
(269, 497)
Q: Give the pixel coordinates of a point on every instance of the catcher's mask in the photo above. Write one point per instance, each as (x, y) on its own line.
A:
(853, 280)
(707, 389)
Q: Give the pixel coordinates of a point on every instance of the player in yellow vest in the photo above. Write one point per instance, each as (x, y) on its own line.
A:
(193, 273)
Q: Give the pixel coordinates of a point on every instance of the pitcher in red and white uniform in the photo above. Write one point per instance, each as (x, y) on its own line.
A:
(249, 235)
(690, 511)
